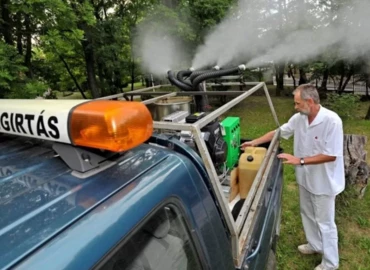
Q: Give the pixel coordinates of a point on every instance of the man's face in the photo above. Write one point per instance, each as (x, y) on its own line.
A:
(301, 106)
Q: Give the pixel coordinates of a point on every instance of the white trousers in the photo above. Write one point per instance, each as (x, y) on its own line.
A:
(318, 214)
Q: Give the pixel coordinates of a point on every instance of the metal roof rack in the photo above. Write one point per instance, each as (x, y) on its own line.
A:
(239, 229)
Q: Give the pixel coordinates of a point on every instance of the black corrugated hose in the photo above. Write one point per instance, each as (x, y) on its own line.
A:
(181, 85)
(214, 74)
(196, 74)
(184, 73)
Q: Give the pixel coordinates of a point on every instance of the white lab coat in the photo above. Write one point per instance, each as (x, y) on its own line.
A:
(319, 183)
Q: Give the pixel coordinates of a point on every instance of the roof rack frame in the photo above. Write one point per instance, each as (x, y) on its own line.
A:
(235, 227)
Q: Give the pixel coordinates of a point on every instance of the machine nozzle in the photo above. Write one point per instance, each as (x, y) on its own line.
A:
(242, 67)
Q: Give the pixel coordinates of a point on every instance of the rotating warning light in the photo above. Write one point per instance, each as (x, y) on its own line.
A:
(111, 125)
(103, 124)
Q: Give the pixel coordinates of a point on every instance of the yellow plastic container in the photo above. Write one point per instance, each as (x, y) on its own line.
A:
(249, 164)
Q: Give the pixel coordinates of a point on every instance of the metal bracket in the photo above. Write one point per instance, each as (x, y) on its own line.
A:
(80, 159)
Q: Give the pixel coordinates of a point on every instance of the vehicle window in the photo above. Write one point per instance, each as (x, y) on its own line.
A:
(162, 243)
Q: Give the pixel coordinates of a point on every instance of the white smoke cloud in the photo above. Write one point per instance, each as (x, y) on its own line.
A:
(158, 51)
(302, 30)
(232, 38)
(256, 32)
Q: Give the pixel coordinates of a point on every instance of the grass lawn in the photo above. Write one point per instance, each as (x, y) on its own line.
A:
(352, 214)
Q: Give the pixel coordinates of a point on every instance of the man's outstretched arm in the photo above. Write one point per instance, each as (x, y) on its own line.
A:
(318, 159)
(263, 139)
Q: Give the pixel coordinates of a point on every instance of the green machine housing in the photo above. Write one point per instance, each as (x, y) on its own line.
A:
(231, 136)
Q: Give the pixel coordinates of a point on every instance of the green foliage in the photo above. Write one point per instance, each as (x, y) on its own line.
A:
(63, 31)
(317, 69)
(344, 105)
(11, 68)
(29, 90)
(208, 13)
(172, 22)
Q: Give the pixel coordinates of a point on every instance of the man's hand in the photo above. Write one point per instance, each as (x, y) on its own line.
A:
(248, 144)
(289, 159)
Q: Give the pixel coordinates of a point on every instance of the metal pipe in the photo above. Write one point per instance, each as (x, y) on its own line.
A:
(136, 91)
(208, 93)
(152, 100)
(271, 105)
(232, 83)
(172, 126)
(213, 115)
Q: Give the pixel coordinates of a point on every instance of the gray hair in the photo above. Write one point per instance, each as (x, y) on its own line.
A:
(308, 91)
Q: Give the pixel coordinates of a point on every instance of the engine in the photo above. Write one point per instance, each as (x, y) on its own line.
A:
(212, 135)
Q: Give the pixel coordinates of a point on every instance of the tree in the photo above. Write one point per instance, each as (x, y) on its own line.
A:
(279, 71)
(10, 69)
(205, 14)
(6, 22)
(291, 72)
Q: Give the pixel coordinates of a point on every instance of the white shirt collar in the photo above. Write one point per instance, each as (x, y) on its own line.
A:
(319, 117)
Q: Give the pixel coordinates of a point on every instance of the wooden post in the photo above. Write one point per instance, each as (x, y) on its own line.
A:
(357, 170)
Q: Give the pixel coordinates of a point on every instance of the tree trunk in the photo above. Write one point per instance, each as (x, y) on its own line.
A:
(19, 33)
(324, 82)
(6, 22)
(334, 82)
(279, 68)
(28, 56)
(291, 73)
(357, 171)
(345, 83)
(302, 77)
(349, 76)
(340, 83)
(118, 81)
(90, 68)
(72, 76)
(342, 75)
(87, 46)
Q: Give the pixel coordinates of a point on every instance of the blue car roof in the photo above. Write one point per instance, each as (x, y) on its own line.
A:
(40, 198)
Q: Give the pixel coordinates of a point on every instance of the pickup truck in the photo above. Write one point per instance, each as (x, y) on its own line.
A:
(158, 204)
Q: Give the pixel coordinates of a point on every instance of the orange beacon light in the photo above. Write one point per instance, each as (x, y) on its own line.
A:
(111, 125)
(103, 124)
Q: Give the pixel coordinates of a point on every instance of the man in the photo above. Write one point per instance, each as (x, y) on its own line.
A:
(319, 167)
